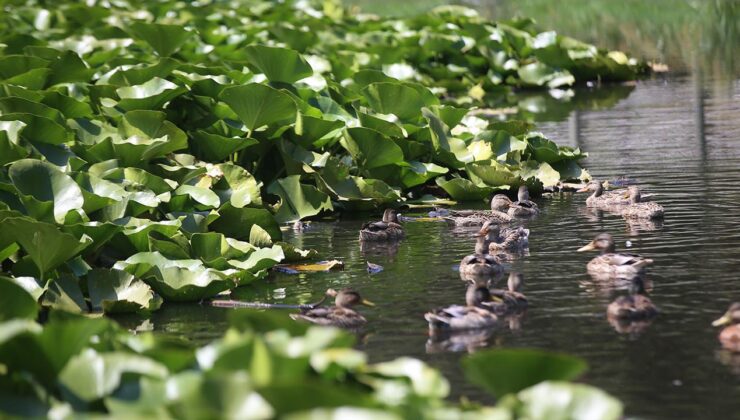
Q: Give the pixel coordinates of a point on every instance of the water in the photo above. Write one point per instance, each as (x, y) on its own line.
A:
(680, 142)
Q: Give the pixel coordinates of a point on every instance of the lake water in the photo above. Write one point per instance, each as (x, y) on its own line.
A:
(681, 142)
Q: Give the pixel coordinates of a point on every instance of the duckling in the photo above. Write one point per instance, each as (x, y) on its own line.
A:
(635, 306)
(611, 263)
(504, 239)
(474, 315)
(600, 198)
(499, 204)
(389, 229)
(523, 207)
(638, 209)
(480, 263)
(730, 335)
(513, 298)
(341, 314)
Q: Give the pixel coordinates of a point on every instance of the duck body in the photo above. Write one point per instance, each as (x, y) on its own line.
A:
(638, 209)
(499, 205)
(611, 263)
(480, 264)
(523, 207)
(604, 199)
(474, 315)
(340, 315)
(512, 299)
(460, 318)
(388, 229)
(504, 239)
(730, 335)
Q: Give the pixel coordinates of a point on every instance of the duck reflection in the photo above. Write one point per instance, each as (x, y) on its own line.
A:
(385, 249)
(635, 226)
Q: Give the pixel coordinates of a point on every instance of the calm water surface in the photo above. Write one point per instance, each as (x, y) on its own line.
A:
(680, 142)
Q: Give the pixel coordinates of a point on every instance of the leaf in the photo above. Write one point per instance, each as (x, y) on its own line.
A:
(278, 64)
(237, 222)
(462, 189)
(91, 375)
(561, 400)
(151, 95)
(164, 39)
(47, 246)
(370, 149)
(540, 74)
(214, 147)
(237, 186)
(115, 291)
(504, 371)
(298, 200)
(394, 98)
(314, 267)
(15, 301)
(258, 105)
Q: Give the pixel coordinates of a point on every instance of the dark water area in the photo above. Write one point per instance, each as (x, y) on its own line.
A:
(681, 142)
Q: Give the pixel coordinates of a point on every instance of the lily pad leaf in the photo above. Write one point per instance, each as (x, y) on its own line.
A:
(15, 301)
(91, 375)
(258, 105)
(504, 371)
(320, 266)
(164, 39)
(237, 186)
(151, 95)
(116, 291)
(371, 149)
(462, 189)
(237, 222)
(394, 98)
(563, 400)
(278, 64)
(47, 246)
(298, 200)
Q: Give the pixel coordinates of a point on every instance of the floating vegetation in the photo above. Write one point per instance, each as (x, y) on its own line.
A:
(151, 151)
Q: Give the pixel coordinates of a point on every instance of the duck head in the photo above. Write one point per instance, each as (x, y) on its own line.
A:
(593, 186)
(515, 282)
(523, 193)
(602, 242)
(390, 215)
(500, 202)
(346, 298)
(476, 294)
(732, 316)
(633, 193)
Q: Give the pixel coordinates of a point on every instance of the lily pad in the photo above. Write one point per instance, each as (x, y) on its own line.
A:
(115, 291)
(320, 266)
(298, 200)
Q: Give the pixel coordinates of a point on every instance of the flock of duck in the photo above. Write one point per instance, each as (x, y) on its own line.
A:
(485, 305)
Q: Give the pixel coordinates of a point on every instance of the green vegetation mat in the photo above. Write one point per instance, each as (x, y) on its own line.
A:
(150, 150)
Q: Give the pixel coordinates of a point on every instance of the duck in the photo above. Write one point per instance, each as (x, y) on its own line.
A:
(612, 263)
(523, 207)
(599, 198)
(637, 209)
(474, 315)
(499, 205)
(388, 229)
(635, 306)
(512, 297)
(506, 239)
(481, 263)
(341, 314)
(730, 335)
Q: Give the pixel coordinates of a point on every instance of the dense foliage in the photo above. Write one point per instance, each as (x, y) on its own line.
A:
(149, 151)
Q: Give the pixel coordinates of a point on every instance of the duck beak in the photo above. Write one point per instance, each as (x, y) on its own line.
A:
(584, 189)
(367, 303)
(589, 247)
(724, 320)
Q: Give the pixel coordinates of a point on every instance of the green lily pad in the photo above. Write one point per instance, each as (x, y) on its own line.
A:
(278, 64)
(15, 301)
(151, 95)
(298, 200)
(504, 371)
(562, 400)
(258, 105)
(164, 39)
(115, 291)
